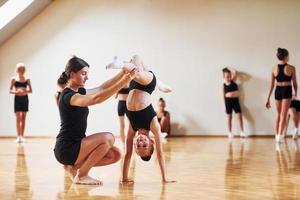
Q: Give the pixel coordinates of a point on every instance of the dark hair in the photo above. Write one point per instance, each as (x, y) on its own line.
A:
(161, 100)
(75, 64)
(63, 79)
(226, 70)
(147, 158)
(282, 54)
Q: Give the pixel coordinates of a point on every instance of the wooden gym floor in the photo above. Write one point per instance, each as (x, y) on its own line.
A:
(205, 168)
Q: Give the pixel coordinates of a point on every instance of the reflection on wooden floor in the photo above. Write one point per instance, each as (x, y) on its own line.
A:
(205, 168)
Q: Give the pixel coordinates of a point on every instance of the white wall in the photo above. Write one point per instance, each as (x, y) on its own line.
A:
(186, 43)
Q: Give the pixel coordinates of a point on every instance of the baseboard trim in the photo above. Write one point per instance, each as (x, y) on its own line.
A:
(173, 136)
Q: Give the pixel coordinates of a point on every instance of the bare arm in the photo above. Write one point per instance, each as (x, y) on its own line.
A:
(11, 88)
(55, 96)
(286, 124)
(223, 92)
(234, 74)
(101, 95)
(29, 89)
(129, 147)
(294, 79)
(160, 156)
(107, 83)
(270, 90)
(155, 129)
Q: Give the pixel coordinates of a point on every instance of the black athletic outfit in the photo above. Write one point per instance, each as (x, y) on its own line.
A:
(142, 118)
(283, 92)
(122, 109)
(21, 102)
(72, 128)
(295, 104)
(232, 103)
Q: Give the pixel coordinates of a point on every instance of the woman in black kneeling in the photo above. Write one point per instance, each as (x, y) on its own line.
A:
(78, 152)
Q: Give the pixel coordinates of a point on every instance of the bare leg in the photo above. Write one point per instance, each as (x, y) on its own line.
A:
(93, 149)
(295, 134)
(128, 154)
(229, 122)
(71, 170)
(18, 123)
(287, 122)
(240, 118)
(284, 110)
(155, 129)
(23, 120)
(112, 156)
(294, 117)
(278, 110)
(296, 122)
(122, 128)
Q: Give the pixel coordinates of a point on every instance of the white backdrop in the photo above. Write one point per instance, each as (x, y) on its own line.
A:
(186, 43)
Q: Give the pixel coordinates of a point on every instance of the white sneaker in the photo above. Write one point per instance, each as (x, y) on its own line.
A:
(277, 139)
(163, 134)
(281, 138)
(230, 135)
(295, 135)
(243, 134)
(23, 139)
(18, 140)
